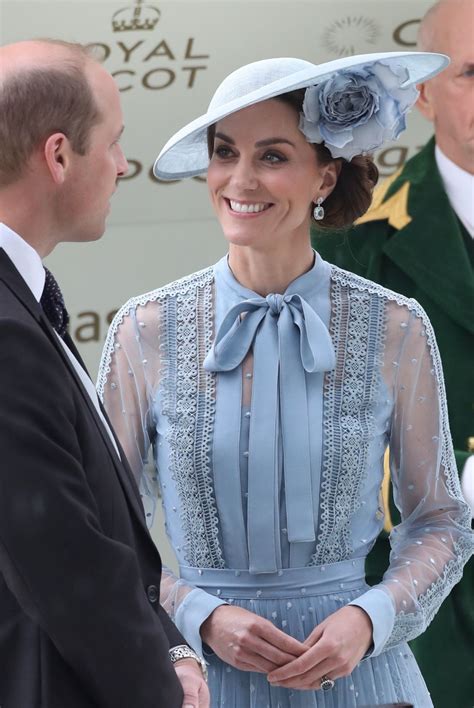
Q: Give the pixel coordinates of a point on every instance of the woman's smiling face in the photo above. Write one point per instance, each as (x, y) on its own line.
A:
(263, 176)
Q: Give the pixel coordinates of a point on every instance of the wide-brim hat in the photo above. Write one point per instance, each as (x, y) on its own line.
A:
(186, 153)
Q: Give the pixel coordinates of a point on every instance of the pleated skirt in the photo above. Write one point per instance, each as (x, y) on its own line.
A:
(390, 678)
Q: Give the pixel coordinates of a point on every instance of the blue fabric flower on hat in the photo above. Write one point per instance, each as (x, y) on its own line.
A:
(357, 110)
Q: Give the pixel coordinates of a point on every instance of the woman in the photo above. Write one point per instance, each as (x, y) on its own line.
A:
(270, 386)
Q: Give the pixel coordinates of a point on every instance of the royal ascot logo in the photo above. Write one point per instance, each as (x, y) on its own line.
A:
(135, 18)
(350, 35)
(141, 59)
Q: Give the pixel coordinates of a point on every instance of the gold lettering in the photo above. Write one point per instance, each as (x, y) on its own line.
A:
(146, 79)
(128, 51)
(192, 73)
(93, 326)
(189, 48)
(161, 50)
(129, 72)
(100, 50)
(399, 153)
(397, 33)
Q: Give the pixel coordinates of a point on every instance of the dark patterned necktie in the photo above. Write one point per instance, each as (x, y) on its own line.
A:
(53, 305)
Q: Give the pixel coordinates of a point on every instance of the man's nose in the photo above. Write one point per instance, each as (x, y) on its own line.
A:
(122, 165)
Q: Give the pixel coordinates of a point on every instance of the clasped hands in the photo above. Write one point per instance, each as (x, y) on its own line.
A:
(251, 643)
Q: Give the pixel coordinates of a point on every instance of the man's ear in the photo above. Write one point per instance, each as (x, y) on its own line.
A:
(424, 102)
(56, 152)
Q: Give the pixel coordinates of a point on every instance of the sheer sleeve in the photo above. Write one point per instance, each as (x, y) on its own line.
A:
(433, 540)
(128, 384)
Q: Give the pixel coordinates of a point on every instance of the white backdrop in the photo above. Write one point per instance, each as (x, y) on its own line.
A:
(167, 73)
(167, 58)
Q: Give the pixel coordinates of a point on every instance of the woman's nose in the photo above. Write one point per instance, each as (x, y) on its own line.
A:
(244, 175)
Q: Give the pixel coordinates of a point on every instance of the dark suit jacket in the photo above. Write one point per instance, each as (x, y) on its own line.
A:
(80, 621)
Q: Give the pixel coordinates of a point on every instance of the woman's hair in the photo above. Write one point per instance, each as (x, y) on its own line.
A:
(352, 195)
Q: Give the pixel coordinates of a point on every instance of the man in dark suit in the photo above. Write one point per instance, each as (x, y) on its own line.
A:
(418, 239)
(80, 621)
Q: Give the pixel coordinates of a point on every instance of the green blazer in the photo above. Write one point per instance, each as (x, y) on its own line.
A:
(411, 241)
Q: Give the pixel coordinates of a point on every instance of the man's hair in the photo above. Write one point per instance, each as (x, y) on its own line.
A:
(39, 101)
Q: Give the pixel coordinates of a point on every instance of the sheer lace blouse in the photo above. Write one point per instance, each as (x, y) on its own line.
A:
(269, 419)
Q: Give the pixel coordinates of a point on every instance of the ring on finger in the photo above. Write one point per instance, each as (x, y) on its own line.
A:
(326, 683)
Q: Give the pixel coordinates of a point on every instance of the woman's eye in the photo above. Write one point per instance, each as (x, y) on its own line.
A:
(274, 157)
(222, 151)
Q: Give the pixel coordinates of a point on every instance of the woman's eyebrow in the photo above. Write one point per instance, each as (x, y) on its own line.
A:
(273, 141)
(259, 143)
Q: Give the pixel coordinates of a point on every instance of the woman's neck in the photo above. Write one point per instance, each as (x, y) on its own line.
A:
(269, 272)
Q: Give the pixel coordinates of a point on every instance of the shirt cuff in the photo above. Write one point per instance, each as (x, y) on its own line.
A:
(192, 612)
(381, 611)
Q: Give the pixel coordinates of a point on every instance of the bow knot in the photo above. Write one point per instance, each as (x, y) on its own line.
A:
(289, 341)
(275, 303)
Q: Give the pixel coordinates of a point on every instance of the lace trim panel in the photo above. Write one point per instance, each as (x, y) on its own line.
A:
(358, 283)
(186, 333)
(357, 326)
(410, 625)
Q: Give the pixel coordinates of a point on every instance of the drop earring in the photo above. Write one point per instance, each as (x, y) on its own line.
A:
(318, 211)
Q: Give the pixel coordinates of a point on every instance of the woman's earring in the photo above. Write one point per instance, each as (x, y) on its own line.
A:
(318, 211)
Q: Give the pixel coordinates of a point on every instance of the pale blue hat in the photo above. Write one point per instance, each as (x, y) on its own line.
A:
(378, 87)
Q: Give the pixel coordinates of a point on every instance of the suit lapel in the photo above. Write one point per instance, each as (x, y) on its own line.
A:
(430, 247)
(14, 281)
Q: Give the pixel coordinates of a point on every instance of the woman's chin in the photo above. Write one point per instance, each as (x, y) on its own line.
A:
(245, 237)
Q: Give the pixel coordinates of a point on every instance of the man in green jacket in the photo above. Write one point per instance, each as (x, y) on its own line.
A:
(418, 239)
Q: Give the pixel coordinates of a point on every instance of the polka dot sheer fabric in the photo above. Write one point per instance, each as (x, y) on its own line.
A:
(384, 389)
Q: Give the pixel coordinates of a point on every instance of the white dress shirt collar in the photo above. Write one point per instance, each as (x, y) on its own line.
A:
(459, 186)
(25, 259)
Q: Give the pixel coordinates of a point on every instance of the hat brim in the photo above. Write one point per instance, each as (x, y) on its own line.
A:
(186, 155)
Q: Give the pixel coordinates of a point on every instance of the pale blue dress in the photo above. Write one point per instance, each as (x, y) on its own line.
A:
(269, 419)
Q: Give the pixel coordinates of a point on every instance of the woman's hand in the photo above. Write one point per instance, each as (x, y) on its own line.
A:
(334, 648)
(247, 641)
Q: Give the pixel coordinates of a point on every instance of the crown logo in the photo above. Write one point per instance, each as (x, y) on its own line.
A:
(136, 17)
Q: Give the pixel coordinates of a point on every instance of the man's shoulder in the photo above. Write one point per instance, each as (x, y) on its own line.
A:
(12, 306)
(393, 199)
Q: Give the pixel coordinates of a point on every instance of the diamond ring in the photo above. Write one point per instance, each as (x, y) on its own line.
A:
(326, 683)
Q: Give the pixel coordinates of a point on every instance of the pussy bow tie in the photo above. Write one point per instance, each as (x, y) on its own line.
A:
(289, 340)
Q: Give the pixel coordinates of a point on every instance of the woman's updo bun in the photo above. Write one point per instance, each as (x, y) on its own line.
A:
(352, 195)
